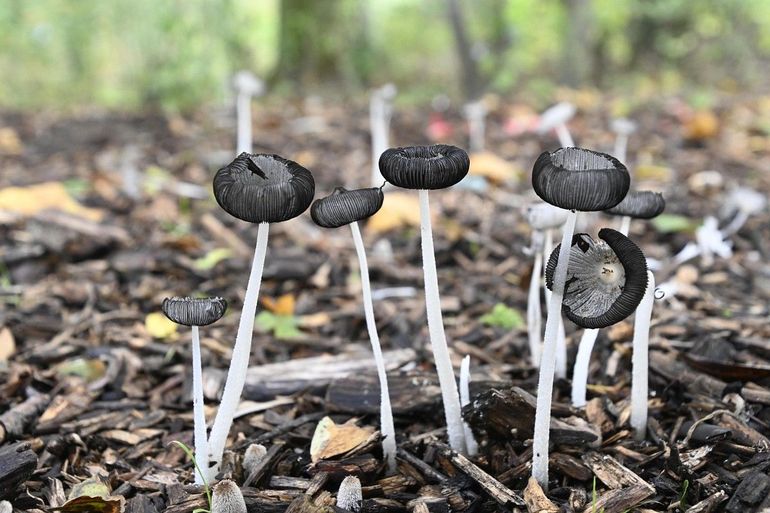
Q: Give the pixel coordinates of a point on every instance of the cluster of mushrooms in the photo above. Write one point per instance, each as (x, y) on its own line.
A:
(593, 282)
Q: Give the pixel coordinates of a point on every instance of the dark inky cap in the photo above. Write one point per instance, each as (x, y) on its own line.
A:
(191, 311)
(580, 179)
(597, 294)
(424, 167)
(344, 207)
(263, 188)
(640, 205)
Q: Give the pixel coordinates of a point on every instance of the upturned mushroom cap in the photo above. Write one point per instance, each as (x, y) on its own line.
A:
(424, 167)
(263, 188)
(343, 207)
(605, 280)
(555, 115)
(639, 205)
(580, 179)
(544, 216)
(191, 311)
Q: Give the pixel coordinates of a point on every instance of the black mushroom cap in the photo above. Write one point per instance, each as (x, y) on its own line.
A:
(191, 311)
(343, 207)
(424, 167)
(639, 205)
(261, 188)
(605, 280)
(580, 179)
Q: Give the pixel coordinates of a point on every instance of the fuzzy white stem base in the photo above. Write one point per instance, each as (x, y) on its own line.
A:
(465, 398)
(582, 363)
(534, 314)
(239, 364)
(548, 359)
(565, 138)
(625, 225)
(446, 375)
(386, 413)
(243, 113)
(640, 360)
(199, 415)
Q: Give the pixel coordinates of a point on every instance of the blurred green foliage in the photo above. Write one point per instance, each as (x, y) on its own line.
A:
(180, 54)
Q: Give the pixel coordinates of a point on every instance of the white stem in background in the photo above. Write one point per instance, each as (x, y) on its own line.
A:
(625, 225)
(640, 360)
(239, 363)
(380, 112)
(243, 113)
(548, 359)
(386, 413)
(621, 145)
(736, 224)
(565, 138)
(580, 371)
(446, 375)
(465, 398)
(534, 315)
(199, 415)
(561, 340)
(475, 113)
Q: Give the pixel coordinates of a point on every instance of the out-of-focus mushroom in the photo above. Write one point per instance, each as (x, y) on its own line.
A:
(623, 127)
(556, 118)
(246, 85)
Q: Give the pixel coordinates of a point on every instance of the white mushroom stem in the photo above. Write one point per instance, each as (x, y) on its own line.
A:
(580, 371)
(621, 146)
(548, 358)
(561, 341)
(243, 113)
(386, 413)
(625, 225)
(199, 416)
(380, 112)
(446, 375)
(640, 360)
(465, 399)
(475, 113)
(565, 138)
(534, 315)
(239, 363)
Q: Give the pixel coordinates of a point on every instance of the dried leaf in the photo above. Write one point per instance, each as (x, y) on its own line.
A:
(44, 196)
(7, 344)
(493, 168)
(212, 258)
(283, 305)
(89, 369)
(10, 144)
(331, 440)
(399, 210)
(159, 326)
(702, 125)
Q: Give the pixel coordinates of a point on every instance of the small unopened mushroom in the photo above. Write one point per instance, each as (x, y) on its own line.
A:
(246, 85)
(425, 168)
(573, 179)
(556, 118)
(195, 312)
(623, 128)
(348, 207)
(260, 189)
(350, 496)
(226, 497)
(252, 457)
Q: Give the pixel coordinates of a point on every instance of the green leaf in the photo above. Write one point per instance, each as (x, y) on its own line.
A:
(212, 258)
(283, 327)
(503, 316)
(670, 223)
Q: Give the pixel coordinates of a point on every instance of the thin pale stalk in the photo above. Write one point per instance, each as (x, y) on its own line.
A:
(534, 315)
(465, 399)
(243, 113)
(625, 225)
(561, 340)
(446, 375)
(548, 359)
(386, 413)
(640, 360)
(580, 371)
(565, 138)
(239, 363)
(199, 415)
(621, 145)
(378, 124)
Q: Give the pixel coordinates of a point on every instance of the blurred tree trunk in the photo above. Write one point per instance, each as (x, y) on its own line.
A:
(577, 66)
(471, 77)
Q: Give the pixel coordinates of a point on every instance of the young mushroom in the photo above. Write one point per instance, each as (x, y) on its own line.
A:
(226, 497)
(425, 168)
(637, 205)
(348, 207)
(261, 189)
(573, 179)
(196, 312)
(349, 495)
(556, 118)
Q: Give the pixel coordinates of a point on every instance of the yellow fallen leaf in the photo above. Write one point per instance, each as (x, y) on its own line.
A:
(284, 305)
(10, 144)
(44, 196)
(492, 167)
(399, 210)
(652, 172)
(7, 344)
(315, 320)
(703, 124)
(331, 439)
(159, 326)
(89, 369)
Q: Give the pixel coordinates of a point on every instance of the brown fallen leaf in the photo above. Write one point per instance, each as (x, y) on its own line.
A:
(493, 167)
(44, 196)
(330, 439)
(399, 210)
(536, 500)
(87, 504)
(7, 344)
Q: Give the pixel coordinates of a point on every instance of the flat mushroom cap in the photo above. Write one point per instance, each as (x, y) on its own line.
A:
(424, 167)
(580, 179)
(263, 188)
(343, 207)
(639, 205)
(605, 280)
(190, 311)
(555, 115)
(544, 216)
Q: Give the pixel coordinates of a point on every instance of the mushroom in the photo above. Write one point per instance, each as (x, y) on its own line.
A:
(573, 179)
(555, 118)
(263, 189)
(465, 399)
(640, 360)
(195, 312)
(742, 202)
(425, 168)
(246, 85)
(349, 495)
(475, 112)
(380, 112)
(623, 127)
(227, 498)
(348, 207)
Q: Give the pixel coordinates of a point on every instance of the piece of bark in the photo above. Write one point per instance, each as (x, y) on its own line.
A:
(754, 488)
(15, 421)
(265, 463)
(708, 504)
(612, 473)
(17, 463)
(499, 492)
(696, 382)
(380, 505)
(619, 499)
(141, 504)
(744, 434)
(570, 466)
(535, 499)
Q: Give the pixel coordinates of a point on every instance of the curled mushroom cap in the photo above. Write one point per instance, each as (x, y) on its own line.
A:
(605, 279)
(544, 216)
(263, 188)
(191, 311)
(424, 167)
(639, 205)
(343, 207)
(580, 179)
